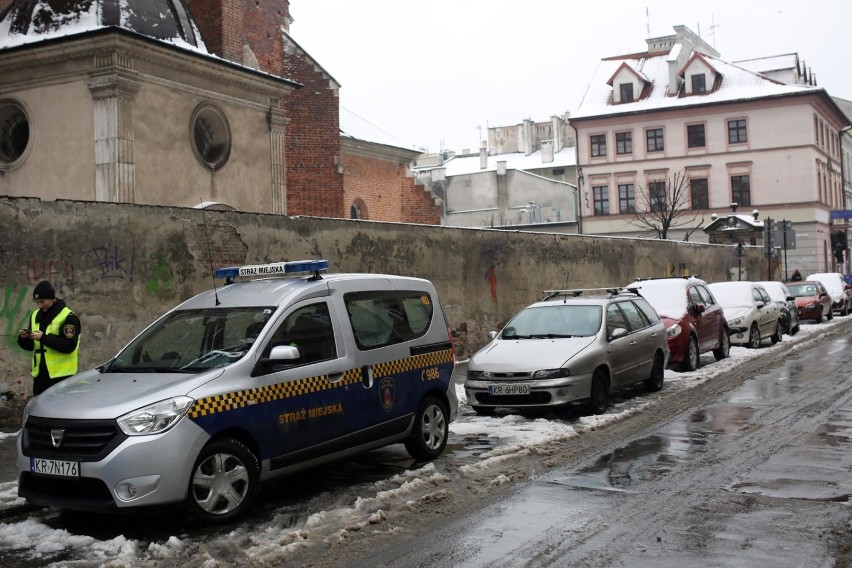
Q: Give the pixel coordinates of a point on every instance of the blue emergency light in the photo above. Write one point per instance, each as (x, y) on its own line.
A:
(273, 269)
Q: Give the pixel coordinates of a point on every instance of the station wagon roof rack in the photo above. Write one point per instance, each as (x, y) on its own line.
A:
(684, 276)
(291, 268)
(576, 292)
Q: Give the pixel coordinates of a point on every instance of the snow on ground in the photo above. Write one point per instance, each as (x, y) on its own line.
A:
(512, 435)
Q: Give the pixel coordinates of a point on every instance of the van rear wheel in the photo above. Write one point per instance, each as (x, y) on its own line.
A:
(224, 481)
(431, 430)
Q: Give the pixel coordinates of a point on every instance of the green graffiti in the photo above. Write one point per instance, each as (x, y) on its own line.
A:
(162, 281)
(11, 312)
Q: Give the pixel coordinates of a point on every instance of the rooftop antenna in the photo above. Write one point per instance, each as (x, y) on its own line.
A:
(209, 252)
(713, 26)
(647, 22)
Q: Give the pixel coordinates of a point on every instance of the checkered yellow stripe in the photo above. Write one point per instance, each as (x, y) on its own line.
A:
(412, 363)
(241, 399)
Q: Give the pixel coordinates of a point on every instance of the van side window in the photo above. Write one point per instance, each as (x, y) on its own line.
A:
(386, 318)
(309, 329)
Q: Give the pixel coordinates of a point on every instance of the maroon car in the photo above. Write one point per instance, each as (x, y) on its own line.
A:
(695, 322)
(812, 299)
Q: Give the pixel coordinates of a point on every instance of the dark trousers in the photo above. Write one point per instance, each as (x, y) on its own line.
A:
(41, 384)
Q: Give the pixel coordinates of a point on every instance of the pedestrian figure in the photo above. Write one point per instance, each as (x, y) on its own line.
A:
(797, 276)
(54, 338)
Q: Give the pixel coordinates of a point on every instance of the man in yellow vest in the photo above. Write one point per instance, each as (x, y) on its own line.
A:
(53, 337)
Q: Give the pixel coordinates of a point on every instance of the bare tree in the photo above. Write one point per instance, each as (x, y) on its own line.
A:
(664, 205)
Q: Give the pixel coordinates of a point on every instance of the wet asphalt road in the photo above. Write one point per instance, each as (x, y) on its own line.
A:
(759, 476)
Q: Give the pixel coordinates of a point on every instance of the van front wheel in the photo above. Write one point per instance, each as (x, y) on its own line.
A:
(224, 481)
(431, 430)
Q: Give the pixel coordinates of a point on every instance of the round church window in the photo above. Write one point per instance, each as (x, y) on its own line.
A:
(211, 136)
(14, 133)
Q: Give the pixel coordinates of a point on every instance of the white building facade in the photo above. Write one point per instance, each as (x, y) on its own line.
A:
(756, 133)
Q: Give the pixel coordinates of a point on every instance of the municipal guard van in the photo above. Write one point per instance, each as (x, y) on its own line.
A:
(280, 368)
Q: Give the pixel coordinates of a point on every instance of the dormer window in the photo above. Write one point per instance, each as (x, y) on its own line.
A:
(626, 92)
(699, 84)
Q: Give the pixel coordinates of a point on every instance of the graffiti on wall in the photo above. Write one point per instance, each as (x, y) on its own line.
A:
(162, 281)
(113, 263)
(491, 254)
(58, 271)
(14, 312)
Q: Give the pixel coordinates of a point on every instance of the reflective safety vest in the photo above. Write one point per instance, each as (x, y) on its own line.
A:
(58, 364)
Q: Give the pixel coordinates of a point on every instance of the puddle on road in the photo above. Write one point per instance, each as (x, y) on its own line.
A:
(791, 473)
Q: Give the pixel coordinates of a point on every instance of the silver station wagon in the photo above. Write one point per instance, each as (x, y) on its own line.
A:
(572, 346)
(246, 382)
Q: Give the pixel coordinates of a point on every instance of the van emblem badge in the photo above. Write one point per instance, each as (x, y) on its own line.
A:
(56, 436)
(386, 391)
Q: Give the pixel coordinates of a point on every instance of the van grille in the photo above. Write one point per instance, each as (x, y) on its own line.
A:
(82, 440)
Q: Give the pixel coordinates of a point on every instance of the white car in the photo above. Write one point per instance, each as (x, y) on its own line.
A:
(752, 315)
(841, 295)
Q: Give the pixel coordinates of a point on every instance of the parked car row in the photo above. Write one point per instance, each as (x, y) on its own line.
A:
(583, 344)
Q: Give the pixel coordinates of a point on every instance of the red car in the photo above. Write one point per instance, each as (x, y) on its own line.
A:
(695, 321)
(812, 299)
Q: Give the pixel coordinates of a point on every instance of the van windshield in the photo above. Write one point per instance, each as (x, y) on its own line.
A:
(192, 341)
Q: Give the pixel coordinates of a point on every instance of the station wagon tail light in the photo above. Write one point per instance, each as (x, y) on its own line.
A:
(155, 418)
(551, 373)
(273, 269)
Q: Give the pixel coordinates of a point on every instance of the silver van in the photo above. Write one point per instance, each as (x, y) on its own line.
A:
(254, 379)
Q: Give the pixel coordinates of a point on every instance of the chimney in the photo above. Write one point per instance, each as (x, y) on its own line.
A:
(528, 137)
(546, 151)
(483, 158)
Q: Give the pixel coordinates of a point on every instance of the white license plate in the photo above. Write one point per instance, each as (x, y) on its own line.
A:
(508, 389)
(55, 467)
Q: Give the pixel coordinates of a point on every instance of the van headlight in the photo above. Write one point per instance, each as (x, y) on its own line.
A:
(155, 418)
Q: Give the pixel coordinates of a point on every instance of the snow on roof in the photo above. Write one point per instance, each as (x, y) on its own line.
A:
(771, 63)
(465, 165)
(358, 128)
(46, 24)
(738, 84)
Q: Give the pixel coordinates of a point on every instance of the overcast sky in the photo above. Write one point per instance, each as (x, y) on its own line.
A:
(431, 73)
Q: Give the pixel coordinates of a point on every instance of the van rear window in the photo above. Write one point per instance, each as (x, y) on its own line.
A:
(386, 318)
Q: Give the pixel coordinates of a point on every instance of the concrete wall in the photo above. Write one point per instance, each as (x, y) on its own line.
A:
(120, 266)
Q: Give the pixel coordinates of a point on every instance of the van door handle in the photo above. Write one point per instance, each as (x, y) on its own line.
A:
(367, 376)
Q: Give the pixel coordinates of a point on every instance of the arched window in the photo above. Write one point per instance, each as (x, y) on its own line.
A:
(358, 209)
(14, 133)
(210, 135)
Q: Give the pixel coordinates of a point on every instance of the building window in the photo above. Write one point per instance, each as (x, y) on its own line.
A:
(601, 195)
(654, 138)
(14, 133)
(657, 195)
(210, 135)
(699, 84)
(626, 198)
(699, 193)
(558, 171)
(624, 142)
(695, 136)
(741, 190)
(737, 132)
(598, 144)
(626, 92)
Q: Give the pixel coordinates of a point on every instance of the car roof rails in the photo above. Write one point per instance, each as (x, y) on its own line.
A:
(576, 292)
(684, 276)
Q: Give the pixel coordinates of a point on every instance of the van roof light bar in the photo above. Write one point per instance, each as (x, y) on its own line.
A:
(274, 269)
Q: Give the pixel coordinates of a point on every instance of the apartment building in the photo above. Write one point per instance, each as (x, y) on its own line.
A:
(759, 133)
